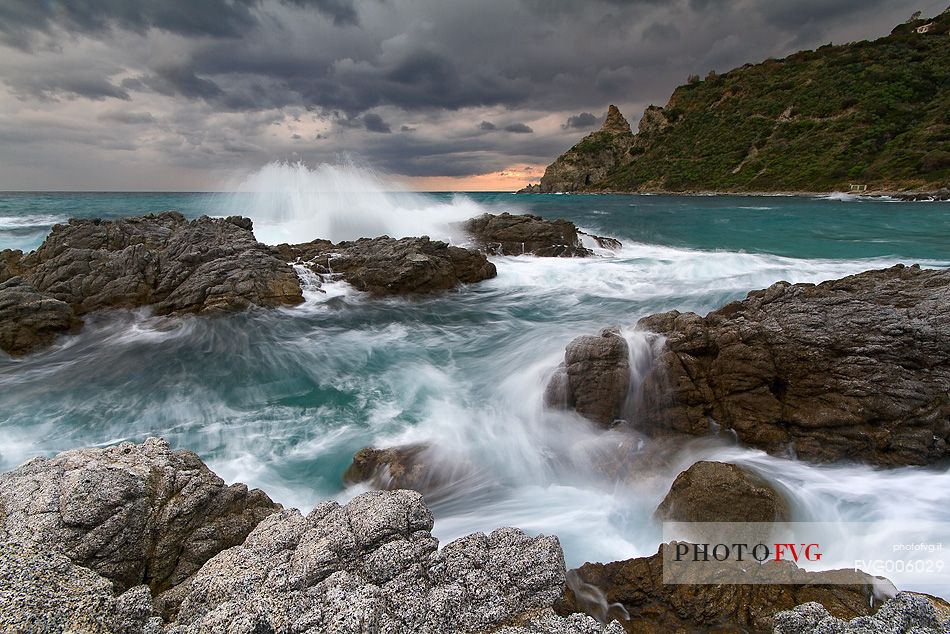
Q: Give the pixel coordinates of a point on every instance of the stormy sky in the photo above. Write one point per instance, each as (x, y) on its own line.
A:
(179, 94)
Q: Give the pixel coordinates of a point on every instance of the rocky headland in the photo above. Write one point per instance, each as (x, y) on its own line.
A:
(754, 128)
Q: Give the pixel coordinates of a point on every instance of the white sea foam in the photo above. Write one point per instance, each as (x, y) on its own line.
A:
(32, 221)
(293, 202)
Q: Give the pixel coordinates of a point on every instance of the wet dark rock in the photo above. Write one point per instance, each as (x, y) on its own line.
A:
(850, 369)
(721, 492)
(10, 264)
(136, 514)
(907, 612)
(634, 593)
(387, 266)
(508, 234)
(29, 319)
(208, 265)
(942, 194)
(594, 378)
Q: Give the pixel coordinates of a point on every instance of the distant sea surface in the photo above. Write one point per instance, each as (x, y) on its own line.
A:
(282, 399)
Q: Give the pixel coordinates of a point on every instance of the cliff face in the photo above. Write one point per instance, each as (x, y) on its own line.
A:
(867, 113)
(589, 162)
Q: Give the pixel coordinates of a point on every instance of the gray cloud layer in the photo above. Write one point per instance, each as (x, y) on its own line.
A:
(170, 93)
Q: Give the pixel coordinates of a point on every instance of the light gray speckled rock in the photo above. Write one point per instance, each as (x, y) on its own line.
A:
(45, 592)
(369, 566)
(133, 513)
(907, 613)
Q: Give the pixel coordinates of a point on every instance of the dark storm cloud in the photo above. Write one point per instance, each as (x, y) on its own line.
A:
(518, 128)
(131, 118)
(580, 121)
(374, 123)
(263, 78)
(214, 18)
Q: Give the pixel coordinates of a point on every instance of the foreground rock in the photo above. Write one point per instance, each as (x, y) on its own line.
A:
(720, 492)
(633, 593)
(386, 266)
(905, 613)
(371, 565)
(136, 514)
(46, 592)
(208, 265)
(112, 540)
(594, 378)
(508, 234)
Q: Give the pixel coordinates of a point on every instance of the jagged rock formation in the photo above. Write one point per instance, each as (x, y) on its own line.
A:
(136, 514)
(386, 266)
(907, 612)
(721, 492)
(83, 532)
(634, 593)
(508, 234)
(814, 121)
(850, 369)
(208, 265)
(590, 160)
(594, 378)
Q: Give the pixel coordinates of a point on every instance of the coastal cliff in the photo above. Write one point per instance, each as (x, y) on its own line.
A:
(874, 114)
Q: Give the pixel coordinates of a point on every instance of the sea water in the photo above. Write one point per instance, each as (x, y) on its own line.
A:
(281, 399)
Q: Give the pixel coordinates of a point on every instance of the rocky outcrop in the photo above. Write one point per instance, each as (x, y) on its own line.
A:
(371, 565)
(386, 266)
(89, 536)
(136, 514)
(208, 265)
(591, 159)
(44, 592)
(507, 234)
(634, 593)
(851, 369)
(594, 378)
(30, 320)
(720, 492)
(907, 612)
(10, 264)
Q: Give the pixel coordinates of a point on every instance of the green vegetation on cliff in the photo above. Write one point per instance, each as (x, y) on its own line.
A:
(870, 113)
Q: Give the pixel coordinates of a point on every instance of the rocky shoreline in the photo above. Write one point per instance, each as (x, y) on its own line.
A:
(142, 539)
(211, 266)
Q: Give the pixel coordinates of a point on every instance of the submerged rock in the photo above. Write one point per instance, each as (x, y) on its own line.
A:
(594, 378)
(905, 613)
(856, 368)
(208, 265)
(634, 593)
(508, 234)
(136, 514)
(721, 492)
(386, 266)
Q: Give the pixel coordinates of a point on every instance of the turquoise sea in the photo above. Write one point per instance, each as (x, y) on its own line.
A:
(282, 399)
